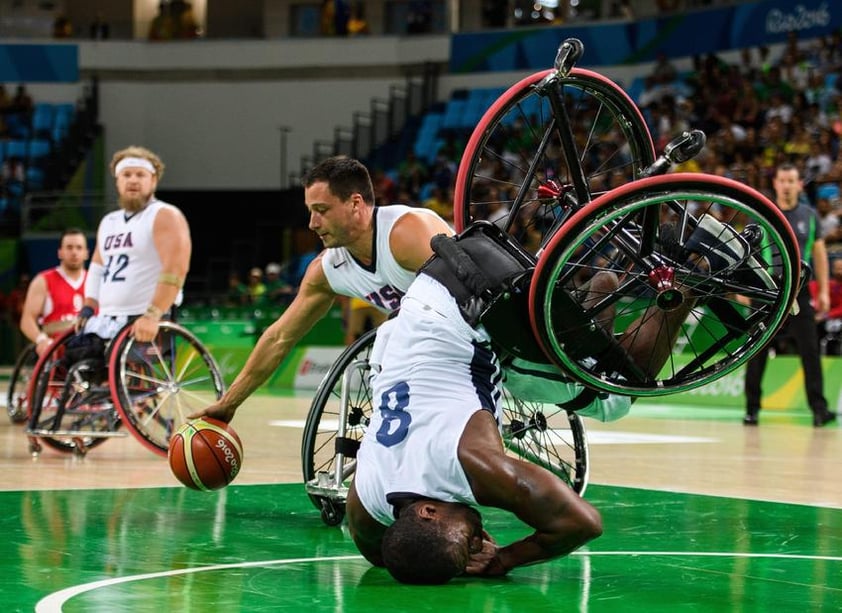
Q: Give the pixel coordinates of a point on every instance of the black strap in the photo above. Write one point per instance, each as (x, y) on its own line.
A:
(585, 398)
(461, 264)
(347, 446)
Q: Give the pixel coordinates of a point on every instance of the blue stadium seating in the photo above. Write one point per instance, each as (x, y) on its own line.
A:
(17, 148)
(43, 116)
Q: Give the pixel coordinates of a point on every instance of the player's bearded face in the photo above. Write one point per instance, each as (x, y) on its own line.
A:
(135, 187)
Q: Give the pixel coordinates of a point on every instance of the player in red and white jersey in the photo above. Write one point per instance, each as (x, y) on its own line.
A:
(55, 296)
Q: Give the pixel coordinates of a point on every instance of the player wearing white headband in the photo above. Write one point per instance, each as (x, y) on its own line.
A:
(142, 253)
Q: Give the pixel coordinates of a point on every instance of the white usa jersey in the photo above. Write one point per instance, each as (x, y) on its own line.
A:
(384, 282)
(130, 260)
(440, 372)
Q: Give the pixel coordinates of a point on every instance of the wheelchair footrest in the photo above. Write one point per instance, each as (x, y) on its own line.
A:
(75, 433)
(324, 487)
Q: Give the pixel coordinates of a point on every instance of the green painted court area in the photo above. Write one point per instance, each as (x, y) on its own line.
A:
(264, 548)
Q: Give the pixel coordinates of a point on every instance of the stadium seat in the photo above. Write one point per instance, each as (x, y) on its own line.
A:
(17, 148)
(39, 148)
(17, 125)
(63, 118)
(42, 120)
(37, 161)
(453, 115)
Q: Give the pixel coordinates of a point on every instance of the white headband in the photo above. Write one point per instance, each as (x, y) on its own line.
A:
(134, 163)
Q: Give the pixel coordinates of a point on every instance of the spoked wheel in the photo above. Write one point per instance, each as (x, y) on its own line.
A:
(653, 260)
(156, 385)
(70, 403)
(539, 433)
(16, 397)
(515, 158)
(336, 422)
(548, 436)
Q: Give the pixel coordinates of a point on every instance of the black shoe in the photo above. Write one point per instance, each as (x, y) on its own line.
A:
(823, 419)
(750, 419)
(728, 252)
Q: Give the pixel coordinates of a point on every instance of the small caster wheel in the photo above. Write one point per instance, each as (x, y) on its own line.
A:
(332, 513)
(79, 449)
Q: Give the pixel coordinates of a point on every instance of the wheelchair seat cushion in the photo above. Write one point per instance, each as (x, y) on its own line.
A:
(84, 346)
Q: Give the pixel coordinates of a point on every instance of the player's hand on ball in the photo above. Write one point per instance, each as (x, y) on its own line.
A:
(215, 411)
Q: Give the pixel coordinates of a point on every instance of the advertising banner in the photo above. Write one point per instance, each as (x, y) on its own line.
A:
(39, 63)
(683, 34)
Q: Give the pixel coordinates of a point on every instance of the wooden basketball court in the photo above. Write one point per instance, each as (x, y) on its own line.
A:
(700, 514)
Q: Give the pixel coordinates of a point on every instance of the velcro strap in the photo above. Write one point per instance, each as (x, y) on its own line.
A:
(347, 446)
(585, 397)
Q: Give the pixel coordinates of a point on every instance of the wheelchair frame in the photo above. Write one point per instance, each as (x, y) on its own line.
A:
(149, 388)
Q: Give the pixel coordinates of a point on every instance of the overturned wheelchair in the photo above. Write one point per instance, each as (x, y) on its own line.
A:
(83, 393)
(715, 251)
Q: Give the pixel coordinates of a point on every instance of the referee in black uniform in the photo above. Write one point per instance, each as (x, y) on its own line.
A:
(801, 327)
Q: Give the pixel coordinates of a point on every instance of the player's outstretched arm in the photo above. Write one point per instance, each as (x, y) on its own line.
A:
(312, 302)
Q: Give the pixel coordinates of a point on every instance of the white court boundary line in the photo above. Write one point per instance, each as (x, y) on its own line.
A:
(52, 603)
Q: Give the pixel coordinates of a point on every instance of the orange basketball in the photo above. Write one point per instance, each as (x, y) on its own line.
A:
(205, 454)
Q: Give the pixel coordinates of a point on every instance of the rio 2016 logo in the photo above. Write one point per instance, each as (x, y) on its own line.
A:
(799, 18)
(229, 456)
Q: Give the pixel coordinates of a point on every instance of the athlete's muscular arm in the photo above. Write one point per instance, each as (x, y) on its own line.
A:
(562, 520)
(821, 272)
(410, 238)
(33, 308)
(366, 531)
(312, 302)
(172, 242)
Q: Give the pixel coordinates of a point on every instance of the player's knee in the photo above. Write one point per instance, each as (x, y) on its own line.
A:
(604, 282)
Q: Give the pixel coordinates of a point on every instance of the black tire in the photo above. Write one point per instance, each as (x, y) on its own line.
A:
(16, 398)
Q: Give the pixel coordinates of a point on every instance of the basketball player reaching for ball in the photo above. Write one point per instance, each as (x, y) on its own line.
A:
(142, 254)
(55, 296)
(371, 252)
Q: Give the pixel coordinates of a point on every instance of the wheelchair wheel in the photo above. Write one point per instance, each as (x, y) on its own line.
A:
(548, 436)
(16, 397)
(156, 385)
(336, 422)
(70, 403)
(641, 233)
(341, 410)
(514, 159)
